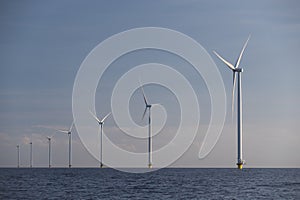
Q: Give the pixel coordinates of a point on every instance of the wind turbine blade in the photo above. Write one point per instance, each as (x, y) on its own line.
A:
(62, 131)
(95, 117)
(225, 61)
(145, 100)
(144, 96)
(144, 113)
(105, 117)
(233, 90)
(241, 54)
(156, 104)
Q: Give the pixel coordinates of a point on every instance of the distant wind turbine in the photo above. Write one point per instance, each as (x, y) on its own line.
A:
(49, 138)
(49, 150)
(69, 134)
(30, 154)
(100, 122)
(235, 69)
(18, 156)
(148, 107)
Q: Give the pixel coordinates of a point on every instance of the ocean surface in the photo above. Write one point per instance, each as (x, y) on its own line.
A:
(84, 183)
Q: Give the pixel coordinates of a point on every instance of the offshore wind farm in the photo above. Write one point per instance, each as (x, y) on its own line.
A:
(235, 69)
(258, 93)
(149, 99)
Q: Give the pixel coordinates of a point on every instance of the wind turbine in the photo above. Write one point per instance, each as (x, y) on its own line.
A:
(237, 70)
(100, 122)
(69, 134)
(18, 156)
(30, 154)
(148, 107)
(49, 138)
(49, 150)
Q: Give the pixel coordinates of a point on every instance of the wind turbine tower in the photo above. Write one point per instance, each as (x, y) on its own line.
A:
(18, 156)
(49, 151)
(30, 154)
(237, 70)
(100, 122)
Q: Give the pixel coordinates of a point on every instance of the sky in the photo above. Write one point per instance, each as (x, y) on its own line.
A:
(43, 43)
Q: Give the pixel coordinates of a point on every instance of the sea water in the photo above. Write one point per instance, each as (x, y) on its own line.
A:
(170, 183)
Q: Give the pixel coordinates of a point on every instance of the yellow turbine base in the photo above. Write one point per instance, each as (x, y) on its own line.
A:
(150, 166)
(240, 166)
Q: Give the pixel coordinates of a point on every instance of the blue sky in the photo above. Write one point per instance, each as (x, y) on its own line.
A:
(42, 45)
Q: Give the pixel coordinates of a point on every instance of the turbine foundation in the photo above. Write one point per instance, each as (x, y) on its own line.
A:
(240, 165)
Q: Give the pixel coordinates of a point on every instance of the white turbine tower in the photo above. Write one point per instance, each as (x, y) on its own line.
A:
(18, 156)
(100, 122)
(236, 69)
(30, 153)
(49, 151)
(69, 134)
(148, 107)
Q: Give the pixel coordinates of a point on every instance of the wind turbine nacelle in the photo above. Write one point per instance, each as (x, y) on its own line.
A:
(238, 70)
